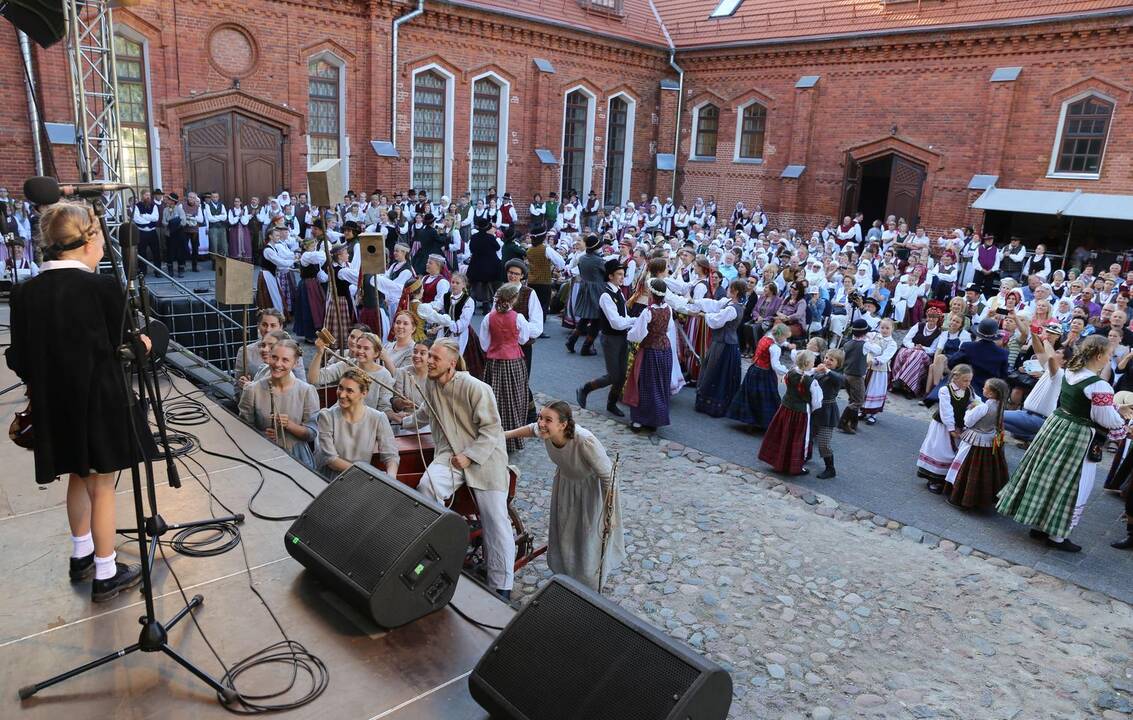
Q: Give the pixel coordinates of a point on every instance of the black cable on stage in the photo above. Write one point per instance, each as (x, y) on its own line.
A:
(472, 620)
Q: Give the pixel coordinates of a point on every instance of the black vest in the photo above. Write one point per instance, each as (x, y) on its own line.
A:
(620, 303)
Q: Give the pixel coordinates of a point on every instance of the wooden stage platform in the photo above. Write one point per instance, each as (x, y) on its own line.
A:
(48, 625)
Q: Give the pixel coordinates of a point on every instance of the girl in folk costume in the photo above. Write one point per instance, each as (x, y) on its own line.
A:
(721, 377)
(910, 365)
(979, 470)
(452, 312)
(786, 446)
(825, 418)
(310, 298)
(435, 282)
(501, 333)
(275, 288)
(757, 400)
(649, 383)
(340, 314)
(881, 348)
(282, 406)
(239, 236)
(583, 481)
(399, 274)
(398, 353)
(1051, 485)
(938, 449)
(699, 334)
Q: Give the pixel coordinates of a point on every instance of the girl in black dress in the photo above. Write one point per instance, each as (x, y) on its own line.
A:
(80, 401)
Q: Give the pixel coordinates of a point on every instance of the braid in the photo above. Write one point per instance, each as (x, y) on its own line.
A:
(565, 414)
(1091, 349)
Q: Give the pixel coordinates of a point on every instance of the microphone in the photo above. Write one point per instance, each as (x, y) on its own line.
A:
(44, 190)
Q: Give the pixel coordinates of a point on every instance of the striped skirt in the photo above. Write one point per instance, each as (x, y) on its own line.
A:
(910, 371)
(977, 475)
(508, 380)
(651, 377)
(876, 390)
(286, 290)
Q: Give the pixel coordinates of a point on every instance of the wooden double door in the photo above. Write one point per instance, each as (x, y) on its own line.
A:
(883, 186)
(234, 155)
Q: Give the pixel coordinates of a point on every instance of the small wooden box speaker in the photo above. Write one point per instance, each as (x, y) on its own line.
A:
(373, 248)
(324, 183)
(234, 281)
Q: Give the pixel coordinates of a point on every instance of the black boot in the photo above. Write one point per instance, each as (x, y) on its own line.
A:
(1127, 543)
(588, 347)
(570, 342)
(613, 409)
(845, 423)
(829, 471)
(581, 393)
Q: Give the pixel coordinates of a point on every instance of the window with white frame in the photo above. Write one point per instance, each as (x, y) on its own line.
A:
(578, 142)
(484, 167)
(429, 132)
(751, 129)
(324, 119)
(133, 112)
(706, 124)
(619, 149)
(1083, 129)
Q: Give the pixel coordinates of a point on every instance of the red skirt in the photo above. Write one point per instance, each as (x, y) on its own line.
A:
(786, 444)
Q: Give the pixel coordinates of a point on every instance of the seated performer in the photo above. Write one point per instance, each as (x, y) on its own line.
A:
(583, 481)
(367, 350)
(408, 383)
(248, 362)
(470, 449)
(350, 431)
(282, 406)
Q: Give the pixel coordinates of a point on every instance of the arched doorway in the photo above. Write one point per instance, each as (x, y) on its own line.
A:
(234, 155)
(889, 184)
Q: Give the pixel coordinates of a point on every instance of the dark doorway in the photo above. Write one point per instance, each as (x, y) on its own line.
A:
(233, 155)
(888, 185)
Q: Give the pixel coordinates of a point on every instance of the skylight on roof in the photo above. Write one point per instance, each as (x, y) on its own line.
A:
(726, 8)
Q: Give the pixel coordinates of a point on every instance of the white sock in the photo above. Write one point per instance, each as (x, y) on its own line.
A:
(82, 546)
(104, 568)
(1056, 538)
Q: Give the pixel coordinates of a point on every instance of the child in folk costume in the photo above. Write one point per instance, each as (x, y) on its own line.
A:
(340, 313)
(399, 274)
(881, 348)
(310, 298)
(721, 376)
(454, 316)
(757, 400)
(825, 418)
(938, 449)
(979, 470)
(786, 446)
(502, 332)
(648, 386)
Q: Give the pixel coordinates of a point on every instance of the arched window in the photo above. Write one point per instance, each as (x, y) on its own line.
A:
(753, 126)
(133, 113)
(707, 125)
(324, 127)
(1082, 135)
(430, 94)
(578, 142)
(483, 170)
(619, 149)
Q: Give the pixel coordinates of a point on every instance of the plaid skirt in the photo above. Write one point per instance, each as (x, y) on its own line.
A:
(339, 317)
(719, 381)
(310, 308)
(786, 445)
(508, 379)
(757, 400)
(977, 475)
(653, 375)
(1043, 489)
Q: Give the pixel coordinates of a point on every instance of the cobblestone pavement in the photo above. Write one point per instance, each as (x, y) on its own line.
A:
(822, 611)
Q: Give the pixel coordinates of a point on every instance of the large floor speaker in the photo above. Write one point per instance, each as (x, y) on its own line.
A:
(383, 547)
(572, 654)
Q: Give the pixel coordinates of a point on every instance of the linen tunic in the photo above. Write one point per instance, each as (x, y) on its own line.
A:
(299, 402)
(464, 419)
(379, 395)
(353, 441)
(400, 357)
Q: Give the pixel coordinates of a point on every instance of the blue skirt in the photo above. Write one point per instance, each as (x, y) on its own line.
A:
(719, 380)
(757, 400)
(654, 375)
(305, 323)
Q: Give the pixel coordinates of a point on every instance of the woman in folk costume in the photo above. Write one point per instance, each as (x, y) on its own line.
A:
(757, 400)
(584, 478)
(649, 383)
(825, 418)
(399, 274)
(786, 446)
(434, 283)
(282, 406)
(502, 333)
(697, 330)
(340, 314)
(910, 365)
(310, 298)
(398, 353)
(1051, 485)
(938, 449)
(947, 343)
(239, 236)
(721, 376)
(881, 348)
(979, 470)
(275, 288)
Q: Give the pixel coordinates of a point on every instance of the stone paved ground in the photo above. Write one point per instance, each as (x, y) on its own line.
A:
(825, 611)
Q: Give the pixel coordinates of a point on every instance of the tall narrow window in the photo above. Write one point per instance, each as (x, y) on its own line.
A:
(1085, 126)
(753, 125)
(707, 123)
(575, 143)
(133, 114)
(429, 133)
(322, 116)
(616, 150)
(484, 169)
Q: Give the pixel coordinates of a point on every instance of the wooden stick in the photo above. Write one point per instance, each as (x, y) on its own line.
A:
(607, 518)
(244, 337)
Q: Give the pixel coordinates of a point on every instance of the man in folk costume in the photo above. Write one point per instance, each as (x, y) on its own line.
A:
(145, 218)
(668, 211)
(592, 278)
(854, 373)
(216, 215)
(427, 241)
(470, 449)
(302, 210)
(527, 305)
(615, 322)
(542, 260)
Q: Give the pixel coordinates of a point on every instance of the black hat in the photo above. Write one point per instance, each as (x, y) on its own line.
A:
(613, 265)
(157, 191)
(972, 288)
(429, 219)
(872, 301)
(174, 196)
(859, 326)
(988, 329)
(516, 263)
(353, 226)
(593, 242)
(482, 223)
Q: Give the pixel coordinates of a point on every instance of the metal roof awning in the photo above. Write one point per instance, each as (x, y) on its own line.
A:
(1054, 202)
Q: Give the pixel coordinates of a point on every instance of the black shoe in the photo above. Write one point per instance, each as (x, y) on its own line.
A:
(1037, 534)
(1126, 544)
(804, 471)
(1064, 546)
(828, 472)
(570, 343)
(870, 420)
(505, 595)
(544, 336)
(127, 576)
(82, 568)
(936, 488)
(588, 349)
(614, 410)
(580, 396)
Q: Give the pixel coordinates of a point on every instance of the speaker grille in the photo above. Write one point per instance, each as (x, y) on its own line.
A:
(342, 526)
(605, 669)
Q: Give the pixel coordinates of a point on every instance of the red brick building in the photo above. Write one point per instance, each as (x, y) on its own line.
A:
(812, 108)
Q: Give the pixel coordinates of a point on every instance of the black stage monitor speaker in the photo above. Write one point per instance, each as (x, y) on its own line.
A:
(573, 654)
(386, 549)
(42, 20)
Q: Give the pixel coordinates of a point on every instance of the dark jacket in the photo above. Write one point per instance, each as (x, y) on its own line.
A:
(987, 359)
(430, 244)
(484, 265)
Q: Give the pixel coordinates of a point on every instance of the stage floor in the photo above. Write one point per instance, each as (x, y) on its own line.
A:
(48, 625)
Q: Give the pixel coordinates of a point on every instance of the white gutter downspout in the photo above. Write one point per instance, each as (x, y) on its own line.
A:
(397, 23)
(680, 94)
(33, 111)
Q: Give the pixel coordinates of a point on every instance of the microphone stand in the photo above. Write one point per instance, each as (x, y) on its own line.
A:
(153, 636)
